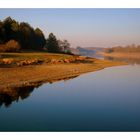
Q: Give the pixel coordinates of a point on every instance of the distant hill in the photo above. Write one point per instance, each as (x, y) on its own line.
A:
(74, 50)
(124, 49)
(88, 51)
(96, 48)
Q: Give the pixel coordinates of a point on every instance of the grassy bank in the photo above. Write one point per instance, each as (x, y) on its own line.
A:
(16, 58)
(48, 72)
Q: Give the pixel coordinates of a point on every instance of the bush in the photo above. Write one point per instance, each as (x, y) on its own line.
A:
(10, 46)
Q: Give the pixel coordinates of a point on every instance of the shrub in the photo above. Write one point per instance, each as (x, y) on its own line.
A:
(10, 46)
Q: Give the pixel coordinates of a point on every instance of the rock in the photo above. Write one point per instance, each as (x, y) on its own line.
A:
(60, 61)
(8, 60)
(66, 61)
(53, 61)
(29, 62)
(18, 63)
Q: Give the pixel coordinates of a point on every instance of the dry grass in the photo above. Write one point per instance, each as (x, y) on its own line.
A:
(32, 55)
(22, 76)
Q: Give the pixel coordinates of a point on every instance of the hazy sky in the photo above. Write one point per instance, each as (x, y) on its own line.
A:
(84, 27)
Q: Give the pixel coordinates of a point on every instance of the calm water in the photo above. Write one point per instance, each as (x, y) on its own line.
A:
(106, 100)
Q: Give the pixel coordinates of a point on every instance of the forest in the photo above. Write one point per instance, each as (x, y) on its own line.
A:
(18, 36)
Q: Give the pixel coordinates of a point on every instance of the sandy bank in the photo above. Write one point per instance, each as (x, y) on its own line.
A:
(28, 75)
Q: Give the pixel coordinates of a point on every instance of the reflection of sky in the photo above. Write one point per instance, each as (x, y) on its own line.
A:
(84, 27)
(104, 100)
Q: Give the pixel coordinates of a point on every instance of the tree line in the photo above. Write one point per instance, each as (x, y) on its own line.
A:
(125, 49)
(15, 36)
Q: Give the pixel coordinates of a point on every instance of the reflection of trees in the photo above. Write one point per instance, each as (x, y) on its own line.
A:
(8, 95)
(129, 60)
(11, 94)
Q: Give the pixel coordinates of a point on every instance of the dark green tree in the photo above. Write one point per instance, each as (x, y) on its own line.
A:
(2, 33)
(39, 39)
(52, 44)
(26, 36)
(22, 33)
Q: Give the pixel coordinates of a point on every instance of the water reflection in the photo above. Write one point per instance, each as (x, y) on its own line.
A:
(105, 100)
(12, 94)
(129, 60)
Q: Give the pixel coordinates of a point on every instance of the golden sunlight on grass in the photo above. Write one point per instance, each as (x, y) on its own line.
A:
(48, 72)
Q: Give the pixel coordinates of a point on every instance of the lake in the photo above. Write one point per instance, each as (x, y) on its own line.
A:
(105, 100)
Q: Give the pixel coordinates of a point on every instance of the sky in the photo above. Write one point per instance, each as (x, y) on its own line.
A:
(83, 27)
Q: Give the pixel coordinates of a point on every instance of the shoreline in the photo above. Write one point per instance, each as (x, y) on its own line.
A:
(122, 55)
(38, 74)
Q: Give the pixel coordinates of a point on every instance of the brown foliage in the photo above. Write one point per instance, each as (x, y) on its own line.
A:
(10, 46)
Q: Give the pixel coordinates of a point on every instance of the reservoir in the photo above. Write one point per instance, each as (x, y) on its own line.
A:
(105, 100)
